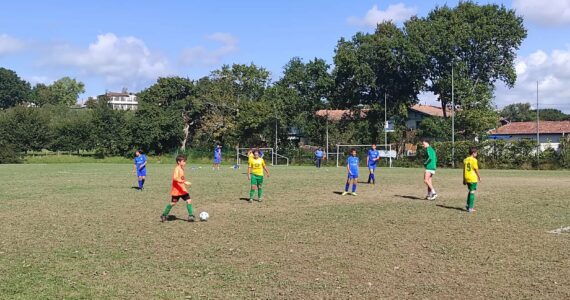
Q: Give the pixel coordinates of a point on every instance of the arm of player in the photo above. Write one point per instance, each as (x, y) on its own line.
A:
(249, 172)
(348, 169)
(266, 171)
(143, 165)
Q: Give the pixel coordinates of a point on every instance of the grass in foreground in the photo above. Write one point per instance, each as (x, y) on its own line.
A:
(78, 231)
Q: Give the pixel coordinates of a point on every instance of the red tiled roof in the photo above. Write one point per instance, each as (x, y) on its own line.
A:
(430, 110)
(530, 127)
(338, 114)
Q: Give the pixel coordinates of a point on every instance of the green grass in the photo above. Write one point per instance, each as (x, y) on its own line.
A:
(79, 231)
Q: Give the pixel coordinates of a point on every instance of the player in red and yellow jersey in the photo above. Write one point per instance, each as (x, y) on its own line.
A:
(179, 190)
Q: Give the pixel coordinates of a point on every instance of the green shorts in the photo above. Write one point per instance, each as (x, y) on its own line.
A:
(472, 186)
(256, 179)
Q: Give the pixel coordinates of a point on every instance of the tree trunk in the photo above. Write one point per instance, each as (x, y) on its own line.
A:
(444, 108)
(186, 130)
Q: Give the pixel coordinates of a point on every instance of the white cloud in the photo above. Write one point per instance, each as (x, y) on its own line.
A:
(39, 79)
(9, 45)
(549, 13)
(120, 60)
(395, 12)
(200, 55)
(551, 70)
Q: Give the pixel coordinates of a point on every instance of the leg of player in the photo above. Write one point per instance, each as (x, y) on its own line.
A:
(167, 209)
(189, 208)
(428, 181)
(471, 197)
(260, 191)
(252, 189)
(354, 183)
(346, 187)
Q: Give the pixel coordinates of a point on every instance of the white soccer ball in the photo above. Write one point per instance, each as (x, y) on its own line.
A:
(204, 216)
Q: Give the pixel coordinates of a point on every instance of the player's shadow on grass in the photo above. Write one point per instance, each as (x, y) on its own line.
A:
(171, 218)
(451, 207)
(338, 193)
(135, 188)
(244, 199)
(409, 197)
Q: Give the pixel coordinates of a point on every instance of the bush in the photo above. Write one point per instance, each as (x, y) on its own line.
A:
(8, 154)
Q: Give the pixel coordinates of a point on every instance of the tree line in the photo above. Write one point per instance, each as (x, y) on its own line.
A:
(472, 45)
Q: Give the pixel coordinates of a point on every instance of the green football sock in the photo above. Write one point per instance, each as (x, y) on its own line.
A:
(259, 192)
(251, 193)
(189, 208)
(471, 199)
(167, 209)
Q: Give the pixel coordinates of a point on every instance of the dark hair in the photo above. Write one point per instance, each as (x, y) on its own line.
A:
(256, 151)
(425, 140)
(180, 158)
(352, 150)
(472, 150)
(139, 151)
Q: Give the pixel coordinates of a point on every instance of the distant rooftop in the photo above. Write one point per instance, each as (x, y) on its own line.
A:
(545, 127)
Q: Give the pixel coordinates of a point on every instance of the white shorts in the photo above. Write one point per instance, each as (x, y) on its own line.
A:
(432, 172)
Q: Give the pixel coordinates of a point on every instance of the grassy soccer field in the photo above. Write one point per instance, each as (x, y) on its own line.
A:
(80, 231)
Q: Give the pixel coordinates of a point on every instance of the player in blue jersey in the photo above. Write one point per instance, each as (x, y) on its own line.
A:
(371, 160)
(319, 154)
(140, 168)
(352, 163)
(217, 157)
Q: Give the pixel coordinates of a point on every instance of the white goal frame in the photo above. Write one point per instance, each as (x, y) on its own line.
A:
(386, 148)
(274, 155)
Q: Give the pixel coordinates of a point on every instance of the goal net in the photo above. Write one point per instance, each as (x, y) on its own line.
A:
(269, 154)
(386, 154)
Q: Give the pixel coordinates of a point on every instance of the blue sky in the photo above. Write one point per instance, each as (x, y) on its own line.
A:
(115, 44)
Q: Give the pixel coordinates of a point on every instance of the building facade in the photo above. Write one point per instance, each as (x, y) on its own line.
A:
(122, 100)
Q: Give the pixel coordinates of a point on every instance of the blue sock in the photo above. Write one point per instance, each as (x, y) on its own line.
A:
(346, 187)
(373, 177)
(354, 187)
(369, 177)
(140, 184)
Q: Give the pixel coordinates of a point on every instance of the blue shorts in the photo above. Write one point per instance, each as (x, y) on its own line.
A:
(372, 167)
(141, 172)
(217, 160)
(353, 176)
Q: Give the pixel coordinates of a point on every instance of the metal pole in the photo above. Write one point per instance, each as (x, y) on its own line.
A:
(386, 128)
(452, 119)
(537, 130)
(327, 147)
(275, 151)
(337, 155)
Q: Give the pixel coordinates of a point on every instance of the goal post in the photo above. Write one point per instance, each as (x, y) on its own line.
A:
(384, 150)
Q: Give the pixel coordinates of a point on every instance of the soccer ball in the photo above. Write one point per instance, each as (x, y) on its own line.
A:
(204, 216)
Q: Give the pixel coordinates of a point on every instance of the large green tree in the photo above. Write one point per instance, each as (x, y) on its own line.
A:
(13, 90)
(65, 91)
(517, 112)
(370, 66)
(478, 41)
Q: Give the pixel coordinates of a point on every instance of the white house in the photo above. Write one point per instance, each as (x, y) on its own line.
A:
(122, 100)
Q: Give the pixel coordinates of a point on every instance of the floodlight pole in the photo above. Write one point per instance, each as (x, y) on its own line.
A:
(452, 119)
(275, 150)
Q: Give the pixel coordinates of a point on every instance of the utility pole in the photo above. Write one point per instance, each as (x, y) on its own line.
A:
(537, 130)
